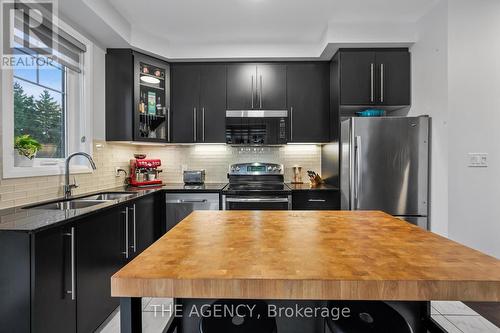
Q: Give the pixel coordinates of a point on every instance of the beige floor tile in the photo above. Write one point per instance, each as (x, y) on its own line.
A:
(453, 308)
(446, 324)
(473, 324)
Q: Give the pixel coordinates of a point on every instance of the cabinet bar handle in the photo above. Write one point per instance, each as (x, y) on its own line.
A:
(382, 83)
(194, 124)
(372, 73)
(252, 91)
(291, 123)
(72, 291)
(168, 123)
(203, 123)
(260, 92)
(134, 245)
(126, 253)
(317, 200)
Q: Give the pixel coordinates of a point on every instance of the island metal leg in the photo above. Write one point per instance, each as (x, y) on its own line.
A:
(130, 315)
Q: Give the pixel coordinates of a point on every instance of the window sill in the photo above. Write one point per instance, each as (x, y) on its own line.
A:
(43, 170)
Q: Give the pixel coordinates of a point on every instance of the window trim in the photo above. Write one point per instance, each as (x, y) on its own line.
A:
(73, 143)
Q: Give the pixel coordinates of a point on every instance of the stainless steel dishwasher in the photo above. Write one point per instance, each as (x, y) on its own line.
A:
(180, 205)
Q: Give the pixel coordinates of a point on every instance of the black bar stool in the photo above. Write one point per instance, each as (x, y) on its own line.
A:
(258, 322)
(367, 317)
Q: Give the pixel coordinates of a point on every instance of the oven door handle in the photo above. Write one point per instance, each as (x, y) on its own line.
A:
(258, 200)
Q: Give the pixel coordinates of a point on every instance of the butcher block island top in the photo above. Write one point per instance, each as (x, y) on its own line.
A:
(327, 255)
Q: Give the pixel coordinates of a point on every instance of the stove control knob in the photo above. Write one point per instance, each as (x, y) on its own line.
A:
(275, 168)
(237, 169)
(269, 168)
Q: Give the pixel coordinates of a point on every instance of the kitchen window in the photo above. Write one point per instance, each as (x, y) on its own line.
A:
(50, 102)
(40, 107)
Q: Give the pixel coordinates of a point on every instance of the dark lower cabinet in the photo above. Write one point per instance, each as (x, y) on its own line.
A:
(99, 254)
(59, 279)
(316, 200)
(146, 230)
(54, 292)
(308, 94)
(15, 279)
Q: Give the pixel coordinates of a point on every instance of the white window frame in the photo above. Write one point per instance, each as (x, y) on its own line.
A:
(78, 123)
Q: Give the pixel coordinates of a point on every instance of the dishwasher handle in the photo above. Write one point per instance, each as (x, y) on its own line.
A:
(181, 201)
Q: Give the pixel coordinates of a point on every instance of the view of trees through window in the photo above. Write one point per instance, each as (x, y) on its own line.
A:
(39, 108)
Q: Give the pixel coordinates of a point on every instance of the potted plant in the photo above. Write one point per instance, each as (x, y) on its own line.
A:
(26, 148)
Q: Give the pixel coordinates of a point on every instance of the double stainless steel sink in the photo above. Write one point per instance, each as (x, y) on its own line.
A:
(84, 202)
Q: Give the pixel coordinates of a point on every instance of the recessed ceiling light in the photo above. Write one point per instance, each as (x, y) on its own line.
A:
(150, 79)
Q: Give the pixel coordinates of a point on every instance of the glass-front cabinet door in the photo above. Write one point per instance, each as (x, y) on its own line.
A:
(152, 100)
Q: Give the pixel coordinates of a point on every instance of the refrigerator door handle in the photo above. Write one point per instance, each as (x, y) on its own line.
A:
(357, 162)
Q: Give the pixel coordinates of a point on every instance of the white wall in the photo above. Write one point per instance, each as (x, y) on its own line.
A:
(430, 96)
(99, 100)
(456, 80)
(474, 126)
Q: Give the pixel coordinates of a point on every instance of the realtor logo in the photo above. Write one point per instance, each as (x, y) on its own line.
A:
(27, 31)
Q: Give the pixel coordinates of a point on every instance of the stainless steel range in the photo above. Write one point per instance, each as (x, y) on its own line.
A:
(256, 186)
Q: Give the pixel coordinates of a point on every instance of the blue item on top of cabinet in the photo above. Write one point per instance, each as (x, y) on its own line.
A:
(371, 113)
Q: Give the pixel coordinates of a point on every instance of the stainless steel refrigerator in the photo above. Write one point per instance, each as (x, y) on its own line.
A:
(384, 165)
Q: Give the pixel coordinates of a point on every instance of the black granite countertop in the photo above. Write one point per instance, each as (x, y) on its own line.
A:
(23, 219)
(308, 187)
(30, 220)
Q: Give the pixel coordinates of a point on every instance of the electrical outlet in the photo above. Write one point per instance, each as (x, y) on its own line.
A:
(478, 160)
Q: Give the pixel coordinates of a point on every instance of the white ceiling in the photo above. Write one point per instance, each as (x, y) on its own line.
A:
(187, 28)
(258, 21)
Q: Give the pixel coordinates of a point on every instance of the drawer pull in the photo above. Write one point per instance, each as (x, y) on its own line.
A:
(317, 200)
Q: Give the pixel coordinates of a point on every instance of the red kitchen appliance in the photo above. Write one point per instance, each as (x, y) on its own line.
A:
(144, 172)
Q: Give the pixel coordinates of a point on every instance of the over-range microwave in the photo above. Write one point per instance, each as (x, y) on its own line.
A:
(257, 127)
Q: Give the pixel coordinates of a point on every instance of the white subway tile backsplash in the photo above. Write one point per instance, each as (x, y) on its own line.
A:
(215, 159)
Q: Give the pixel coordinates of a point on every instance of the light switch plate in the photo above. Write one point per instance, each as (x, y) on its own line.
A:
(478, 160)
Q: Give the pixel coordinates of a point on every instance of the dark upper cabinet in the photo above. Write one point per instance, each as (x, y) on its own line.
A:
(271, 86)
(357, 78)
(394, 78)
(308, 95)
(241, 89)
(256, 86)
(376, 77)
(213, 103)
(198, 103)
(137, 97)
(54, 305)
(185, 102)
(99, 254)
